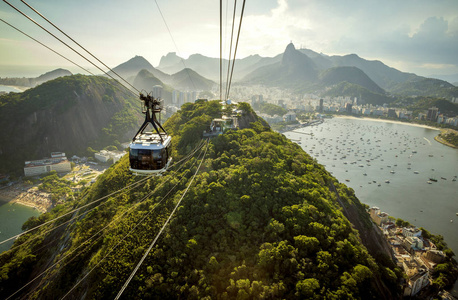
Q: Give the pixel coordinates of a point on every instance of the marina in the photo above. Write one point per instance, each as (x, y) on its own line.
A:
(399, 168)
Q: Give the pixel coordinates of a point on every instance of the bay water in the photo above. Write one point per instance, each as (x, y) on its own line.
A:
(5, 88)
(12, 216)
(389, 166)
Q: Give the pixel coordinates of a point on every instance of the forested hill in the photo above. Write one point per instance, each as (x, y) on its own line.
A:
(262, 219)
(66, 114)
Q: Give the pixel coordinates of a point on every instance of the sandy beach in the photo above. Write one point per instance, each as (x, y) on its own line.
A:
(387, 121)
(30, 197)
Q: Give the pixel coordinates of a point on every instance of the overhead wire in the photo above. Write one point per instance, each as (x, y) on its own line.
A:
(47, 47)
(227, 93)
(236, 45)
(175, 44)
(125, 236)
(103, 229)
(221, 50)
(133, 185)
(74, 210)
(230, 50)
(87, 51)
(162, 229)
(60, 40)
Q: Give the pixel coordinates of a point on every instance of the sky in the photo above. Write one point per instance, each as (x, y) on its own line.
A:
(418, 36)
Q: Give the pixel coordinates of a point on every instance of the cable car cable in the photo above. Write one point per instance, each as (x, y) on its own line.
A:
(38, 13)
(230, 49)
(72, 211)
(47, 47)
(221, 50)
(133, 185)
(36, 23)
(162, 229)
(61, 55)
(119, 218)
(176, 47)
(125, 236)
(236, 45)
(82, 244)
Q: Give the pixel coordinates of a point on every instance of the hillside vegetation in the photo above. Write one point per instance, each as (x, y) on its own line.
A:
(66, 114)
(261, 220)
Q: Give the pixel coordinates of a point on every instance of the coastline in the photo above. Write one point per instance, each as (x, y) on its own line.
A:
(41, 209)
(439, 139)
(387, 121)
(30, 197)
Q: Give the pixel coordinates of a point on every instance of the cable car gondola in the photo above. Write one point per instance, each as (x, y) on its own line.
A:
(150, 151)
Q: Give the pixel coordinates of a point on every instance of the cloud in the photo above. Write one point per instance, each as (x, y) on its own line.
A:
(416, 33)
(431, 43)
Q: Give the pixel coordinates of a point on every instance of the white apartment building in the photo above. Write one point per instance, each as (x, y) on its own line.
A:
(58, 162)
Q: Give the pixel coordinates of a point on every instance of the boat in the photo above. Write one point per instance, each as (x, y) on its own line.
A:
(429, 181)
(433, 179)
(387, 181)
(443, 178)
(415, 172)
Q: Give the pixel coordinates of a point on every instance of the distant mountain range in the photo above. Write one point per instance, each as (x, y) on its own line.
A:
(298, 70)
(184, 79)
(31, 82)
(304, 70)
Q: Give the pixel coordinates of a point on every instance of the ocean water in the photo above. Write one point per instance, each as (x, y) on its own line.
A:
(4, 88)
(12, 217)
(366, 154)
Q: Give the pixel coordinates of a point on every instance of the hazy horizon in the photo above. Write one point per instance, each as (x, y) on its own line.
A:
(421, 37)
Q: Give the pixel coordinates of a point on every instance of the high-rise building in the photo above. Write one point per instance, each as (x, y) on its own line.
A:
(182, 99)
(348, 107)
(175, 94)
(432, 114)
(157, 91)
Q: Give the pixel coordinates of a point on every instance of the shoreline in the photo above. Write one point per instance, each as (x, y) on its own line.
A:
(387, 121)
(41, 209)
(439, 139)
(17, 87)
(30, 197)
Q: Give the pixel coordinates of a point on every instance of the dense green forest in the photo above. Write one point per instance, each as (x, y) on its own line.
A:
(261, 220)
(67, 114)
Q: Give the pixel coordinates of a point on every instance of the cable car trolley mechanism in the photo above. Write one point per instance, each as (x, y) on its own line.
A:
(149, 152)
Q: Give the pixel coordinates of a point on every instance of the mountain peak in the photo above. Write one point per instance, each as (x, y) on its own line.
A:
(290, 47)
(168, 60)
(291, 56)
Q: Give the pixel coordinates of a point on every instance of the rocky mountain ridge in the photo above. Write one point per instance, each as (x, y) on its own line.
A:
(67, 114)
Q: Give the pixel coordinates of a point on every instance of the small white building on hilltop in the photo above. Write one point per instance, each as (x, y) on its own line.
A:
(58, 162)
